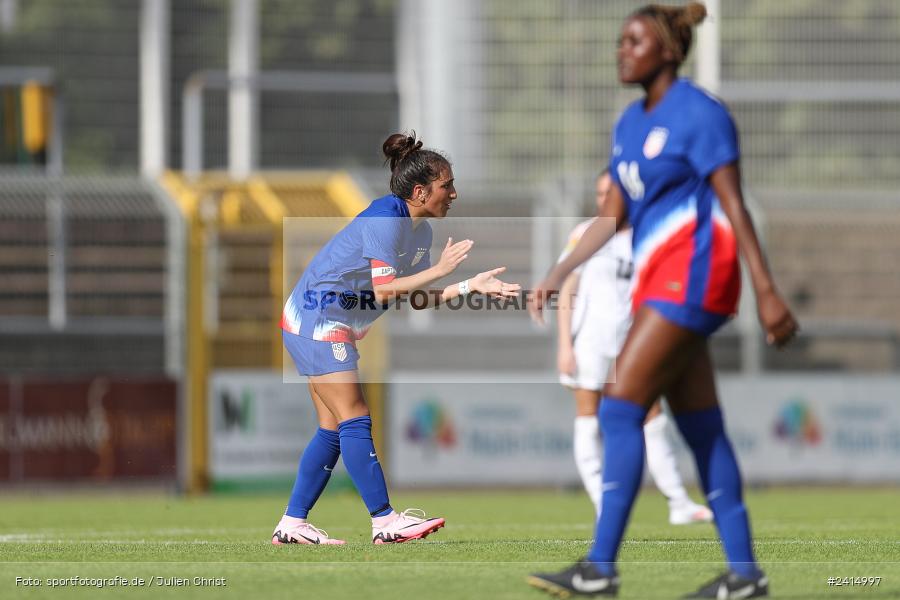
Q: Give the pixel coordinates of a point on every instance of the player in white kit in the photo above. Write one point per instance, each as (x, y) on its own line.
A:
(594, 317)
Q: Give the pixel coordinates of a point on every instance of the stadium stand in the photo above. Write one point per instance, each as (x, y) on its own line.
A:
(114, 276)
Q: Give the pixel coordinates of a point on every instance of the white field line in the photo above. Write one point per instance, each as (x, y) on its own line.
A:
(143, 533)
(442, 563)
(87, 534)
(39, 539)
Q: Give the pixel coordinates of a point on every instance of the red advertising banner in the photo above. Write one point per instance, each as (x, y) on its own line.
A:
(83, 430)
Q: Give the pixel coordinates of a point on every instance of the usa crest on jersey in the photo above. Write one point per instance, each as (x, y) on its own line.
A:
(655, 142)
(339, 350)
(419, 254)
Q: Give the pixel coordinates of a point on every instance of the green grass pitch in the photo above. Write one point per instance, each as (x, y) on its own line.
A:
(491, 542)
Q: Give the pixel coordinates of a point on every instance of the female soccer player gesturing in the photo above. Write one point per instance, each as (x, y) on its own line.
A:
(384, 253)
(675, 164)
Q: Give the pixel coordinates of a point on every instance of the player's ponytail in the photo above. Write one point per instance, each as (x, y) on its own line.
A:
(674, 25)
(411, 164)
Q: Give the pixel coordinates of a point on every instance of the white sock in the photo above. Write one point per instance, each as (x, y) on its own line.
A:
(292, 521)
(661, 462)
(589, 456)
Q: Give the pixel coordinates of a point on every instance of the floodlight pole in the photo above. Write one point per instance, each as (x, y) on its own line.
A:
(57, 313)
(9, 10)
(243, 96)
(709, 53)
(154, 79)
(440, 75)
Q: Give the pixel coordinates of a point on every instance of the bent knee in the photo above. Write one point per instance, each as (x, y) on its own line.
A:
(629, 393)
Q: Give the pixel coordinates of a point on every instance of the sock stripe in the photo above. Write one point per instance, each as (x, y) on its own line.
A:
(384, 509)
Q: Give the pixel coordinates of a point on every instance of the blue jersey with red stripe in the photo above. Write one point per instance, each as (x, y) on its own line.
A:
(334, 298)
(685, 251)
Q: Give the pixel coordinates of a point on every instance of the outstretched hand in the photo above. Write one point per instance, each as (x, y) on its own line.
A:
(453, 255)
(487, 283)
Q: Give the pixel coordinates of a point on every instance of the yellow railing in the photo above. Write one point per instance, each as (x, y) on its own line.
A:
(274, 209)
(346, 194)
(197, 338)
(215, 206)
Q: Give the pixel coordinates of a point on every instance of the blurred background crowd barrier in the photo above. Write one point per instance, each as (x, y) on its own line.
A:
(152, 153)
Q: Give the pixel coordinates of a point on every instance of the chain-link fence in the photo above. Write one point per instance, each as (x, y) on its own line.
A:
(523, 94)
(92, 273)
(93, 51)
(814, 86)
(521, 98)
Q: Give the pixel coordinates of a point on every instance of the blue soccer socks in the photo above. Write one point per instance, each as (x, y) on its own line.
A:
(354, 440)
(362, 464)
(622, 423)
(704, 431)
(316, 465)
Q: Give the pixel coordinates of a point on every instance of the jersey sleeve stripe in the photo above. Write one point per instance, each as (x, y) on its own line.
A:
(382, 272)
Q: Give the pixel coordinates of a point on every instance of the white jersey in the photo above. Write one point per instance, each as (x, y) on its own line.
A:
(601, 314)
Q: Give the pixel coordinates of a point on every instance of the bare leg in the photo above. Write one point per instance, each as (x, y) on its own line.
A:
(653, 357)
(655, 411)
(341, 394)
(586, 402)
(327, 420)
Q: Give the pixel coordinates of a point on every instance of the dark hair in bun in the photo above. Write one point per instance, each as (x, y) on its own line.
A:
(411, 164)
(674, 25)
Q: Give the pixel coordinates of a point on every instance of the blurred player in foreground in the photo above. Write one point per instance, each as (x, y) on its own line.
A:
(674, 162)
(380, 257)
(594, 316)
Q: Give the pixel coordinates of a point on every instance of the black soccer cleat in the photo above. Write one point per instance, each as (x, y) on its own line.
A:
(731, 586)
(581, 579)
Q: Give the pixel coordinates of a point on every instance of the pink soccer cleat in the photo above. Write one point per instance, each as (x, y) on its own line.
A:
(690, 513)
(303, 533)
(411, 524)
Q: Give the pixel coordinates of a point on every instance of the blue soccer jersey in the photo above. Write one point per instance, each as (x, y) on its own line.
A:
(685, 251)
(334, 299)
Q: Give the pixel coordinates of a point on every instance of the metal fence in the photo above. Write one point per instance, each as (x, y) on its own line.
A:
(816, 89)
(814, 86)
(92, 47)
(521, 98)
(93, 276)
(515, 96)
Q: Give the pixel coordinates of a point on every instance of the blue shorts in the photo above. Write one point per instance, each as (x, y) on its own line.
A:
(690, 317)
(312, 357)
